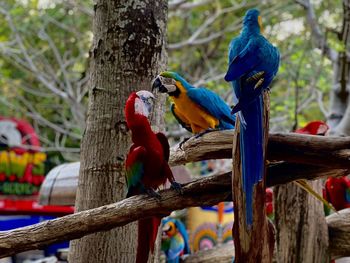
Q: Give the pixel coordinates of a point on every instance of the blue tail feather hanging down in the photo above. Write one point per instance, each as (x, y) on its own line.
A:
(251, 148)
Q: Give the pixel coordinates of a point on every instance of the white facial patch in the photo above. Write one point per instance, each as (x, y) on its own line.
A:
(168, 83)
(322, 129)
(145, 94)
(140, 108)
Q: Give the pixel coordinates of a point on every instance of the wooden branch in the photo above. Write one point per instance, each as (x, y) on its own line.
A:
(282, 173)
(333, 152)
(205, 191)
(218, 254)
(339, 233)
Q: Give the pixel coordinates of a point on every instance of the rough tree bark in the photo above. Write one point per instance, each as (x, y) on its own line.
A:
(254, 243)
(301, 230)
(339, 117)
(128, 50)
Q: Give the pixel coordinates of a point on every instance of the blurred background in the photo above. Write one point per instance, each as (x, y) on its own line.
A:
(44, 58)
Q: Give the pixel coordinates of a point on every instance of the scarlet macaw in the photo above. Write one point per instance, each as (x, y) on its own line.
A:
(314, 128)
(174, 240)
(146, 165)
(338, 192)
(269, 203)
(253, 63)
(196, 109)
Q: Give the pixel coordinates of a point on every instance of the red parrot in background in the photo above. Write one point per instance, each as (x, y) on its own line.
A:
(337, 192)
(314, 128)
(146, 165)
(269, 203)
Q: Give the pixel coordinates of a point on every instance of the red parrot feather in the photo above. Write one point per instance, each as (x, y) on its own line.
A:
(146, 165)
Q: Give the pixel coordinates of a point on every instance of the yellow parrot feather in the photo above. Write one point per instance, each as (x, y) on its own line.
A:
(304, 185)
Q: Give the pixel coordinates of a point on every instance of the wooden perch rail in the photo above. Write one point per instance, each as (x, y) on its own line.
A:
(323, 151)
(339, 233)
(219, 254)
(205, 191)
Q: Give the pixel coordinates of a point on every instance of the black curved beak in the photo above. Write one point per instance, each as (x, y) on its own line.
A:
(157, 84)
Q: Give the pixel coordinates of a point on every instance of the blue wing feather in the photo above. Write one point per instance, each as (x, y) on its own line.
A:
(176, 247)
(182, 229)
(135, 169)
(177, 244)
(347, 195)
(244, 62)
(214, 105)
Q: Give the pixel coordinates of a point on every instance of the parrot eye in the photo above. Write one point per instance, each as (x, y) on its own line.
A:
(150, 100)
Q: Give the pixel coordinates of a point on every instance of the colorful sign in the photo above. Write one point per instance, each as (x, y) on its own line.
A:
(22, 168)
(210, 225)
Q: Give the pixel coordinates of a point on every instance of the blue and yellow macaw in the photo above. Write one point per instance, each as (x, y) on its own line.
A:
(253, 63)
(174, 240)
(197, 109)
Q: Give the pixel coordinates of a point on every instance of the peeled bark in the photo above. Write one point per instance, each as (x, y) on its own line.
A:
(127, 52)
(301, 230)
(218, 254)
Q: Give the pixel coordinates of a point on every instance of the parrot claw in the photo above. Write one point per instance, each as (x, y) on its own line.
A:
(182, 142)
(256, 77)
(177, 187)
(153, 193)
(235, 109)
(198, 135)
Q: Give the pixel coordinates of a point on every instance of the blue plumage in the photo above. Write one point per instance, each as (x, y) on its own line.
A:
(196, 109)
(214, 105)
(249, 54)
(175, 242)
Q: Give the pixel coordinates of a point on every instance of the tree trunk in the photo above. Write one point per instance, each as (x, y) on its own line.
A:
(301, 227)
(128, 51)
(339, 117)
(338, 98)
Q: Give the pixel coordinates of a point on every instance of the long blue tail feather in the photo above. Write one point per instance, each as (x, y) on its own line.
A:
(251, 148)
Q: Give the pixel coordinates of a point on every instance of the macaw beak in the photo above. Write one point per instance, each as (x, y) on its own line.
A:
(158, 85)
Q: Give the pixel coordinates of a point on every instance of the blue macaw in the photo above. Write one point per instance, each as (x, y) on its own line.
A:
(174, 240)
(253, 63)
(196, 109)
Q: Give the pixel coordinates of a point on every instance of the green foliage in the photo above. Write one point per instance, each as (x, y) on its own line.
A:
(44, 47)
(198, 44)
